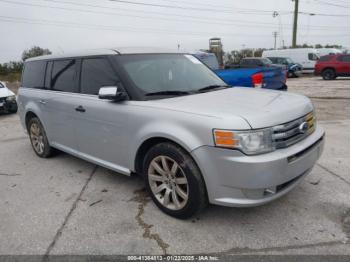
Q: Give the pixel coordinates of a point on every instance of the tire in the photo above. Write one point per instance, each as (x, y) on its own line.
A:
(329, 74)
(38, 138)
(174, 187)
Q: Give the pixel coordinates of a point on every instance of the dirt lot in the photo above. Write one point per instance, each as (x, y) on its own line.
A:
(65, 205)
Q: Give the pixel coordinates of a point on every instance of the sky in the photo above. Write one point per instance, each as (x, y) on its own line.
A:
(70, 25)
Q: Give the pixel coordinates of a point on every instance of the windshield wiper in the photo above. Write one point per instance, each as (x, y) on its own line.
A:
(168, 93)
(212, 87)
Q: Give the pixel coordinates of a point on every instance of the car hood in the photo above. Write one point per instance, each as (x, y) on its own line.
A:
(260, 108)
(5, 92)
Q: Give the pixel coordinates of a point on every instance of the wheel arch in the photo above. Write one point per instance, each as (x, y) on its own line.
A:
(29, 115)
(147, 144)
(329, 68)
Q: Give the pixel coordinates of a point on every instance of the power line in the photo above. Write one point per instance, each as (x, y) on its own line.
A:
(193, 19)
(113, 28)
(332, 4)
(66, 24)
(245, 11)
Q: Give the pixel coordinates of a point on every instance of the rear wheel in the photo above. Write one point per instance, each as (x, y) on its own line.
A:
(38, 138)
(328, 74)
(174, 181)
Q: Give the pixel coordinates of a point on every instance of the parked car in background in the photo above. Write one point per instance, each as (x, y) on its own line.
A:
(328, 51)
(8, 102)
(306, 57)
(169, 118)
(254, 62)
(332, 66)
(294, 69)
(262, 75)
(209, 59)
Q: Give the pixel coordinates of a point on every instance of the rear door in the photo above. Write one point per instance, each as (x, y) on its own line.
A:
(61, 104)
(343, 65)
(101, 124)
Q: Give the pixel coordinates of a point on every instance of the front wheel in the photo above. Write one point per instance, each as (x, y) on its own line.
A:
(174, 181)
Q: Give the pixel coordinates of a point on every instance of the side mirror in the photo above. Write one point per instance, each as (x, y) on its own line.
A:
(112, 93)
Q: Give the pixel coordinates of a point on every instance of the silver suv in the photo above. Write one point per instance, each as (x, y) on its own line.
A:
(169, 118)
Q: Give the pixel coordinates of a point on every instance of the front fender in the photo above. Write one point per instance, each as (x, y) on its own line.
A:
(187, 139)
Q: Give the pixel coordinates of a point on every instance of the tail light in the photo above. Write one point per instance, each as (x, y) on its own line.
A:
(257, 80)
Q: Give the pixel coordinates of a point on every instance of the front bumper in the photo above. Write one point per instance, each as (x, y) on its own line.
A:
(237, 180)
(8, 106)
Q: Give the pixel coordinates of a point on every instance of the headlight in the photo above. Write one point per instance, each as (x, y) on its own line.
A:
(249, 142)
(11, 98)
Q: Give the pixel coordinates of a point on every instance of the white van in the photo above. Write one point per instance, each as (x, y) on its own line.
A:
(307, 57)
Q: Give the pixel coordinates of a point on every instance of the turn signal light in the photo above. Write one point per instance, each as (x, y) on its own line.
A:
(224, 138)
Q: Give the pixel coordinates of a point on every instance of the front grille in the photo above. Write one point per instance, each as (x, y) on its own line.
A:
(290, 133)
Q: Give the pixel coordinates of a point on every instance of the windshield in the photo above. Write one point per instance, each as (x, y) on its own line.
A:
(153, 73)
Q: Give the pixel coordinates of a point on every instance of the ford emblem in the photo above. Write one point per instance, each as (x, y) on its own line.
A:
(303, 127)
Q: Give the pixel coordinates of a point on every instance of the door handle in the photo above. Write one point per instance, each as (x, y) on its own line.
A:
(43, 102)
(80, 109)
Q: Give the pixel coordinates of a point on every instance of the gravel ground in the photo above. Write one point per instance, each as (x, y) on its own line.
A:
(65, 205)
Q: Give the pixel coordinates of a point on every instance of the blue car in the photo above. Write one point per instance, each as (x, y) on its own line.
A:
(294, 69)
(252, 72)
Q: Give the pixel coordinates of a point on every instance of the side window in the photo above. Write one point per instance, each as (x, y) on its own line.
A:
(33, 74)
(63, 76)
(345, 58)
(313, 57)
(95, 73)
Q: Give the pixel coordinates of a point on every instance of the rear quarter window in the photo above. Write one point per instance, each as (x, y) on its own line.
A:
(34, 74)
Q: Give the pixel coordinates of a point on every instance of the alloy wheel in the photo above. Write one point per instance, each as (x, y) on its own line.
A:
(168, 182)
(36, 135)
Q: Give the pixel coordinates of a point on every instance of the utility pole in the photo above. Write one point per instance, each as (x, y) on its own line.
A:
(295, 25)
(275, 34)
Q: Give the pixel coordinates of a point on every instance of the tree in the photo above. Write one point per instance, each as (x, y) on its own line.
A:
(35, 51)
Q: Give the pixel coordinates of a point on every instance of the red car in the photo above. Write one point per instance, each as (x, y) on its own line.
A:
(332, 66)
